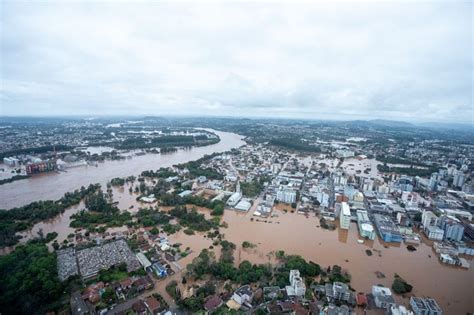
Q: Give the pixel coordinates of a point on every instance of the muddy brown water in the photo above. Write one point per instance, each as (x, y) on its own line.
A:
(452, 287)
(54, 185)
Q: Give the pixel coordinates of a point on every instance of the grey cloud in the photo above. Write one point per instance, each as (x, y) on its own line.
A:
(393, 60)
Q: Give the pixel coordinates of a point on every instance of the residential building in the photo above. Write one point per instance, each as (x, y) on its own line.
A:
(458, 179)
(366, 229)
(243, 295)
(434, 233)
(428, 218)
(452, 227)
(297, 286)
(345, 216)
(422, 306)
(398, 310)
(387, 229)
(337, 291)
(286, 195)
(382, 296)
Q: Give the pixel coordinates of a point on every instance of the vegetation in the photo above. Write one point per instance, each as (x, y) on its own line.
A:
(294, 144)
(161, 173)
(336, 274)
(29, 280)
(400, 286)
(251, 189)
(151, 217)
(43, 149)
(12, 179)
(205, 264)
(246, 244)
(23, 218)
(410, 171)
(117, 181)
(100, 212)
(192, 219)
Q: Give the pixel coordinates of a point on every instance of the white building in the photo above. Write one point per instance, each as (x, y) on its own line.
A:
(344, 153)
(428, 218)
(398, 310)
(243, 205)
(143, 260)
(286, 195)
(382, 296)
(297, 286)
(234, 199)
(434, 233)
(366, 229)
(345, 216)
(11, 161)
(458, 179)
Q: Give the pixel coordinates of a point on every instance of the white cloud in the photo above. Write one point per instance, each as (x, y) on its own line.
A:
(394, 60)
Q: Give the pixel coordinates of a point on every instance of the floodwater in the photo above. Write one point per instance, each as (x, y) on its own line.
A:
(294, 233)
(53, 185)
(452, 287)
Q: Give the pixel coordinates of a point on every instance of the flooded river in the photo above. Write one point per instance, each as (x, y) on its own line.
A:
(54, 185)
(452, 287)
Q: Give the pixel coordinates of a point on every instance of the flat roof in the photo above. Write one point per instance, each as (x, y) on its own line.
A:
(345, 209)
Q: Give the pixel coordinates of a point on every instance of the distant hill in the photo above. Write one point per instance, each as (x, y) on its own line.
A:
(450, 126)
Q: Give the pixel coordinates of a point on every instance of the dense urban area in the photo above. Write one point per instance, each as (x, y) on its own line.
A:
(235, 216)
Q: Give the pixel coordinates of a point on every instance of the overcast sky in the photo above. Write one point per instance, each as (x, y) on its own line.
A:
(396, 60)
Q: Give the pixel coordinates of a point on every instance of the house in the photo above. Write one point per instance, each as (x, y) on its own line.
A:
(139, 308)
(126, 284)
(93, 292)
(243, 295)
(337, 291)
(398, 310)
(382, 296)
(361, 299)
(212, 303)
(428, 306)
(153, 305)
(159, 269)
(78, 306)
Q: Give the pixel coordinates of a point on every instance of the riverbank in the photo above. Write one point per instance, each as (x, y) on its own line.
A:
(51, 186)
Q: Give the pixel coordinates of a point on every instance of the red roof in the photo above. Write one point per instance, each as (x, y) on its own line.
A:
(212, 303)
(152, 303)
(361, 299)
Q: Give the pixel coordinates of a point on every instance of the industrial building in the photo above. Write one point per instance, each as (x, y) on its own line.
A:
(387, 229)
(345, 216)
(366, 229)
(11, 161)
(234, 199)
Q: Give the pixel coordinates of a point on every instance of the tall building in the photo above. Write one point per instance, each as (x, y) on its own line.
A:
(458, 179)
(366, 229)
(428, 218)
(433, 181)
(297, 286)
(286, 195)
(387, 229)
(453, 229)
(345, 216)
